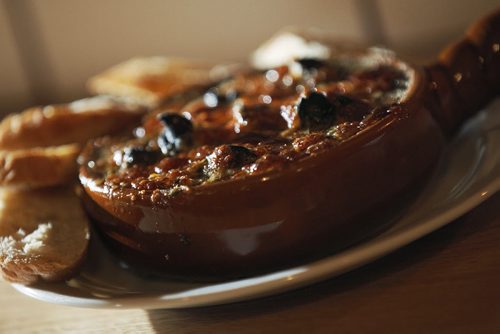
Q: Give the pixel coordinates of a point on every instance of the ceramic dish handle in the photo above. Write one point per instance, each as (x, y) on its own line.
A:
(466, 75)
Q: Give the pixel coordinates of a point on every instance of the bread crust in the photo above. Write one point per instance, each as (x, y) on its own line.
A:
(38, 240)
(39, 167)
(63, 124)
(151, 80)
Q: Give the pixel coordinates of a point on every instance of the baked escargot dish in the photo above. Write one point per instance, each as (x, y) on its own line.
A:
(272, 167)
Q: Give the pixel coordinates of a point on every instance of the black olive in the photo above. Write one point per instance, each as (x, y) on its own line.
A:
(240, 156)
(315, 111)
(306, 68)
(175, 123)
(310, 63)
(176, 135)
(138, 155)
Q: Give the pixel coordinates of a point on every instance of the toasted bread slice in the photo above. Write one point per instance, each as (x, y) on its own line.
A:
(151, 80)
(44, 234)
(39, 167)
(62, 124)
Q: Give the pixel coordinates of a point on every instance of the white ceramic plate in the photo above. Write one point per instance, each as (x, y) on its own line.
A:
(468, 174)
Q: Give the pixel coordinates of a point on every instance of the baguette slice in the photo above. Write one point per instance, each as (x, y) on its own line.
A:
(62, 124)
(39, 167)
(44, 234)
(151, 80)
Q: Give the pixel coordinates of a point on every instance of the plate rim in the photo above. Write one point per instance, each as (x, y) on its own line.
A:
(298, 276)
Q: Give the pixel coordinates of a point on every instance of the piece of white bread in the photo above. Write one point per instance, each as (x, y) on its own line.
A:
(44, 234)
(151, 80)
(39, 167)
(62, 124)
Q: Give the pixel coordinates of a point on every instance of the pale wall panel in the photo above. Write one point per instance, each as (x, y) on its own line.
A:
(84, 37)
(14, 89)
(421, 28)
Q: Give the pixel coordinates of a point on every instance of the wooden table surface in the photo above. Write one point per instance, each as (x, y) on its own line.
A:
(447, 282)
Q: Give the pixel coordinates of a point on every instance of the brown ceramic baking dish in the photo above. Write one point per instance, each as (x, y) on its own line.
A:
(317, 204)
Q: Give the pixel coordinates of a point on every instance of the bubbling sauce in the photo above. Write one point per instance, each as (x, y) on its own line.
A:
(257, 121)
